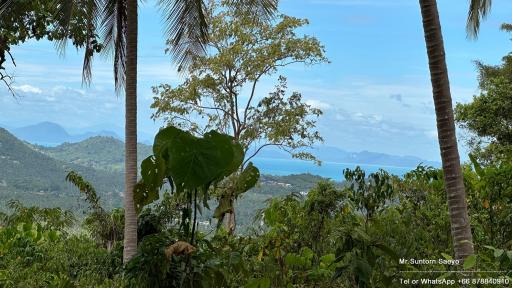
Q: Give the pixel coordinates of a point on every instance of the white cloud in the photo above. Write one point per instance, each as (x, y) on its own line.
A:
(370, 118)
(318, 104)
(28, 89)
(61, 90)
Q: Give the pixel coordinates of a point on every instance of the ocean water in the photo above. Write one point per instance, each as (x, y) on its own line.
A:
(282, 167)
(330, 170)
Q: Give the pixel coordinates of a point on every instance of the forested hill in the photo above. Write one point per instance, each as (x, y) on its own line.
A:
(38, 179)
(36, 175)
(99, 152)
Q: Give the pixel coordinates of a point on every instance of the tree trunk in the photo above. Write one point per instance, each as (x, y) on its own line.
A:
(457, 205)
(130, 224)
(230, 222)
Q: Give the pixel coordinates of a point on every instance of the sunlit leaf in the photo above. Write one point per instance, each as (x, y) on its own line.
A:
(470, 262)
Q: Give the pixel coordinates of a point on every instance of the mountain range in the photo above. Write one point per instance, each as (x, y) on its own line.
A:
(98, 152)
(52, 134)
(35, 175)
(37, 178)
(63, 145)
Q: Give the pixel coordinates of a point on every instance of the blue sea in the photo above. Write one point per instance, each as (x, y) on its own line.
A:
(330, 170)
(282, 167)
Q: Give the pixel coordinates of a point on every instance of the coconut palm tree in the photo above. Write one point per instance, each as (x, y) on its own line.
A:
(117, 21)
(478, 10)
(130, 128)
(454, 185)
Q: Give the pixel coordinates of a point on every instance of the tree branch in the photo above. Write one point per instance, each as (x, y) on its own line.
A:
(231, 103)
(259, 149)
(235, 97)
(8, 80)
(265, 71)
(207, 107)
(12, 58)
(250, 98)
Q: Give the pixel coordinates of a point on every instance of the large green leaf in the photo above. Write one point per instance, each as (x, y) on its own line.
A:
(230, 153)
(225, 206)
(470, 262)
(478, 168)
(192, 163)
(153, 171)
(147, 190)
(247, 179)
(144, 195)
(163, 137)
(195, 162)
(238, 158)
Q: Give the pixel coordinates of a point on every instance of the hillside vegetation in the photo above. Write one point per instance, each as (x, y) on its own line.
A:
(35, 175)
(36, 178)
(99, 152)
(199, 213)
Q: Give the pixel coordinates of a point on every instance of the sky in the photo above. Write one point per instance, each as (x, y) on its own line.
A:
(375, 92)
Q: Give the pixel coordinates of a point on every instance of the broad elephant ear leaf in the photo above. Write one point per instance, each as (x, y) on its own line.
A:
(230, 154)
(237, 160)
(194, 162)
(143, 195)
(147, 190)
(163, 137)
(190, 162)
(153, 171)
(247, 179)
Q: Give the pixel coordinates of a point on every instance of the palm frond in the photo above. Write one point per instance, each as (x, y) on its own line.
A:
(93, 15)
(478, 10)
(66, 10)
(87, 189)
(113, 30)
(186, 29)
(4, 6)
(264, 8)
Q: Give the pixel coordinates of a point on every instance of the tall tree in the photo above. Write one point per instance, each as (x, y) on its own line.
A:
(478, 10)
(454, 185)
(130, 138)
(223, 90)
(488, 118)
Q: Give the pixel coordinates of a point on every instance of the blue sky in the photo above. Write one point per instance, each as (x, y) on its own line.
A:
(375, 93)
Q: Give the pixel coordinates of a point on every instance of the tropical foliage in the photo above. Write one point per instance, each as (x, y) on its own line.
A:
(487, 118)
(21, 21)
(350, 236)
(222, 91)
(364, 232)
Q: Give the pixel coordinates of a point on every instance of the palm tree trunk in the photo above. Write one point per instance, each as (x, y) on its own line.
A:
(457, 206)
(130, 224)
